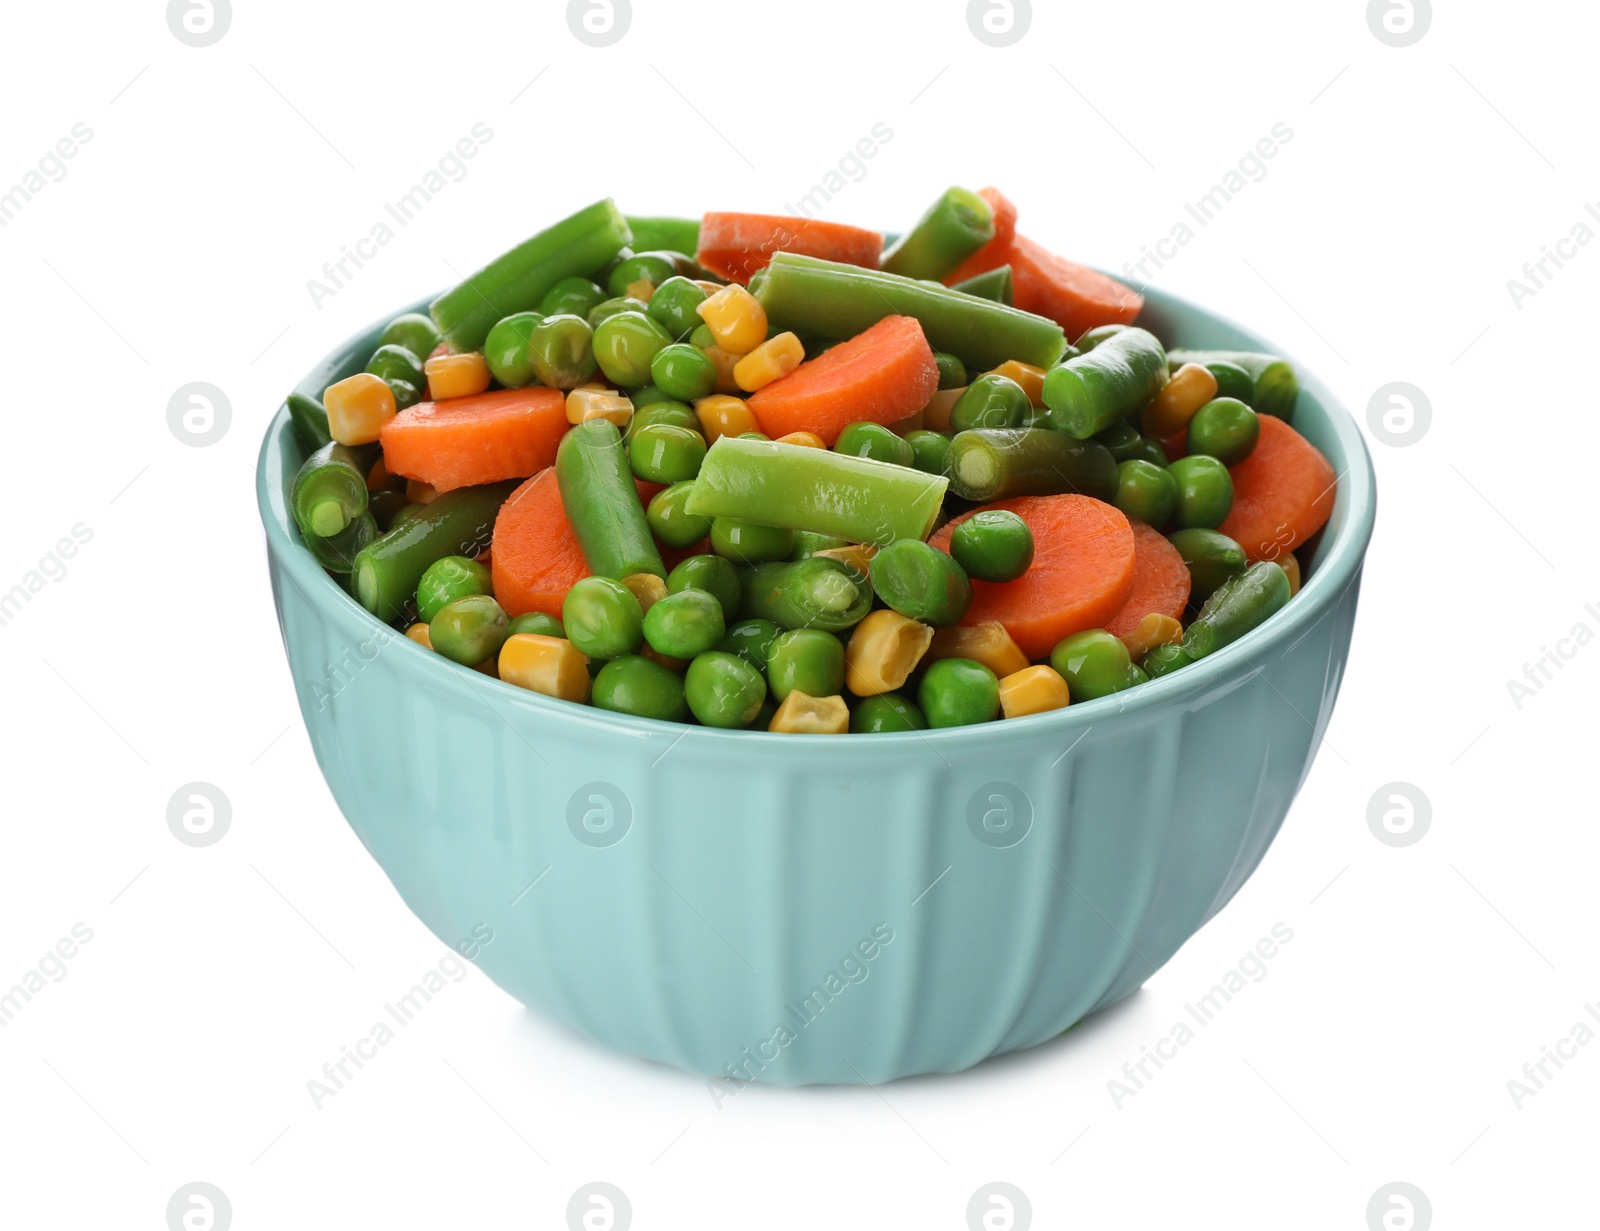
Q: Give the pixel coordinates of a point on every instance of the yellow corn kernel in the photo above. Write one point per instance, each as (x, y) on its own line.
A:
(986, 642)
(857, 556)
(1025, 374)
(773, 358)
(1169, 412)
(647, 588)
(724, 416)
(726, 361)
(1153, 630)
(913, 423)
(806, 440)
(419, 633)
(1290, 564)
(456, 376)
(358, 407)
(1033, 690)
(419, 492)
(884, 649)
(936, 414)
(803, 715)
(736, 319)
(597, 402)
(550, 665)
(678, 665)
(640, 289)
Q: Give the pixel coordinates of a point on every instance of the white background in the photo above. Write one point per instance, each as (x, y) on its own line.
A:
(177, 248)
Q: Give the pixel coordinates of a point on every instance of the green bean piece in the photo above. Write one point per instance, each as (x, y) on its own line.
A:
(724, 690)
(809, 543)
(448, 579)
(953, 228)
(993, 545)
(684, 624)
(1205, 492)
(808, 660)
(873, 440)
(956, 692)
(671, 522)
(930, 451)
(1237, 606)
(673, 234)
(747, 542)
(1123, 440)
(536, 622)
(775, 484)
(818, 592)
(625, 344)
(683, 372)
(888, 711)
(1164, 660)
(752, 641)
(673, 306)
(337, 553)
(1212, 559)
(1094, 664)
(602, 312)
(409, 513)
(997, 284)
(635, 685)
(1224, 428)
(505, 350)
(1274, 386)
(414, 331)
(991, 401)
(602, 503)
(571, 297)
(469, 630)
(309, 419)
(602, 618)
(457, 523)
(1093, 337)
(808, 295)
(561, 349)
(713, 574)
(330, 489)
(1113, 381)
(661, 453)
(952, 372)
(520, 279)
(921, 583)
(990, 465)
(1146, 492)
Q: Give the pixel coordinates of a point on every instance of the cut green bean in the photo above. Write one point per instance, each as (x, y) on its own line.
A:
(1238, 605)
(458, 523)
(310, 421)
(602, 503)
(330, 489)
(1088, 394)
(953, 228)
(1028, 461)
(337, 553)
(672, 234)
(996, 284)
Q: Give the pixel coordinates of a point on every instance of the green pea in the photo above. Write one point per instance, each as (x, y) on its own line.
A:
(602, 618)
(673, 524)
(921, 583)
(991, 401)
(1164, 660)
(1226, 429)
(505, 350)
(956, 692)
(752, 641)
(930, 451)
(625, 344)
(652, 267)
(661, 453)
(1146, 492)
(888, 711)
(385, 506)
(1232, 380)
(676, 413)
(571, 297)
(874, 441)
(1122, 439)
(684, 624)
(702, 338)
(393, 362)
(808, 660)
(952, 372)
(744, 542)
(1205, 492)
(683, 372)
(648, 395)
(723, 690)
(538, 623)
(993, 545)
(808, 543)
(1150, 450)
(405, 393)
(634, 685)
(716, 576)
(415, 331)
(561, 349)
(469, 630)
(673, 306)
(1212, 559)
(448, 579)
(613, 307)
(1094, 664)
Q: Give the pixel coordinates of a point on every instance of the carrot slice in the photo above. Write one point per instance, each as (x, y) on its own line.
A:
(883, 374)
(536, 556)
(1074, 296)
(998, 250)
(507, 434)
(1282, 493)
(1160, 581)
(1082, 571)
(734, 245)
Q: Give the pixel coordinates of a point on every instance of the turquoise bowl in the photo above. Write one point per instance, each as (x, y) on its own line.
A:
(790, 909)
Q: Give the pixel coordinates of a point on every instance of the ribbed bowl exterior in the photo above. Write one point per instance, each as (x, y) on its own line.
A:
(820, 909)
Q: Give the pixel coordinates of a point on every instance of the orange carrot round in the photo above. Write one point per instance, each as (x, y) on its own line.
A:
(462, 442)
(1282, 493)
(1082, 571)
(1160, 582)
(882, 375)
(998, 250)
(1074, 296)
(735, 245)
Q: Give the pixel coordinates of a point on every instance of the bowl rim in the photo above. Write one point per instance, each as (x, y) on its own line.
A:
(1336, 572)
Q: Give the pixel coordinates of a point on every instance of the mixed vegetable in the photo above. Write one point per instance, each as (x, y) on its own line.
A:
(767, 472)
